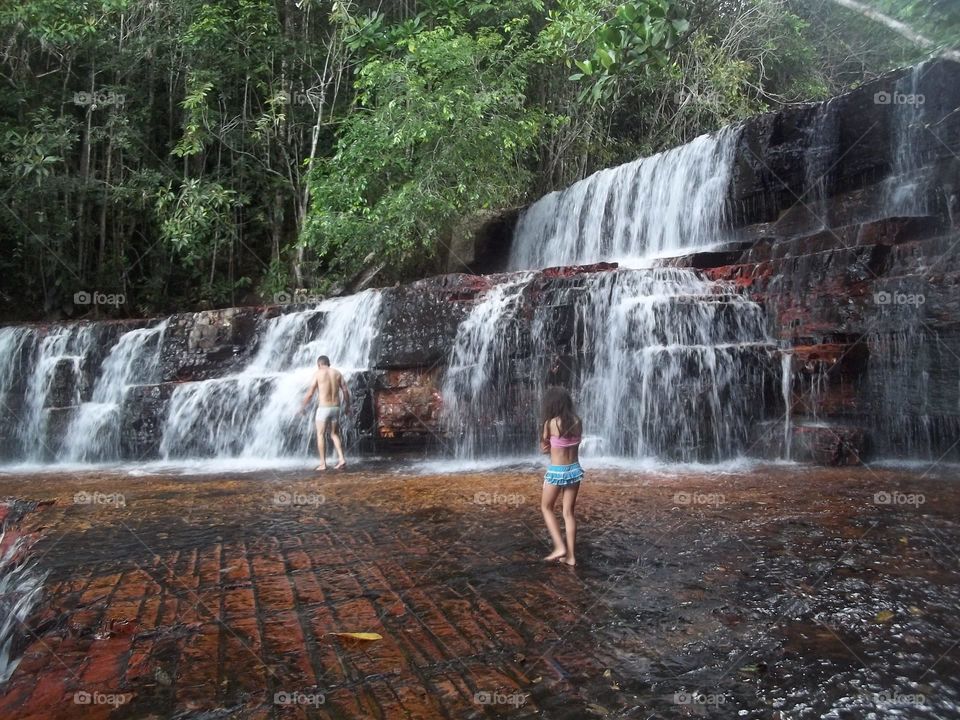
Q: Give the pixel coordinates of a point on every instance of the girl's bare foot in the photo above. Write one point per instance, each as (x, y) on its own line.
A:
(556, 554)
(340, 465)
(570, 561)
(320, 467)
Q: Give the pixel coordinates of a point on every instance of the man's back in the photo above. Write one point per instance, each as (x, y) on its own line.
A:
(328, 386)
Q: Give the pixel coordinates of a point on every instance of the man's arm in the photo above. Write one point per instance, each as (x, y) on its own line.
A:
(346, 394)
(309, 397)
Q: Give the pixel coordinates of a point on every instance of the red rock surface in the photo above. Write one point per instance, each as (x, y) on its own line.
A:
(220, 594)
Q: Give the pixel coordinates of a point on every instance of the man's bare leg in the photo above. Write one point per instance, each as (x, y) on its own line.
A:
(547, 501)
(337, 445)
(570, 521)
(322, 444)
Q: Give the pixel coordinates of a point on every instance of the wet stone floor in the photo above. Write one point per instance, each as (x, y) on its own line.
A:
(778, 592)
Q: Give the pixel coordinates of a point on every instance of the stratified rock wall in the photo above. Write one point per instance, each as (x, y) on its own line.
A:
(860, 282)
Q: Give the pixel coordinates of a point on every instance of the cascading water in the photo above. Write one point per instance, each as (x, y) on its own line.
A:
(674, 368)
(906, 188)
(14, 344)
(254, 413)
(820, 159)
(668, 364)
(911, 420)
(663, 364)
(20, 587)
(473, 411)
(786, 388)
(94, 431)
(653, 207)
(65, 350)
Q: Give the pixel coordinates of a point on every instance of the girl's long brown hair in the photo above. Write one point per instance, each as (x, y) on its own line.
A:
(557, 403)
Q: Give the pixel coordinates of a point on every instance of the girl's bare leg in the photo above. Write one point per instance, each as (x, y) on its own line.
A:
(547, 501)
(570, 521)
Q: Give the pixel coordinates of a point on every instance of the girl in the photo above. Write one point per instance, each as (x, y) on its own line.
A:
(562, 430)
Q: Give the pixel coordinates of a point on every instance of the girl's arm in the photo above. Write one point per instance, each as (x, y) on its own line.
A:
(545, 438)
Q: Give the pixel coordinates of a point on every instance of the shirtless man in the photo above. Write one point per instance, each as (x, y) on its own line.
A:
(329, 386)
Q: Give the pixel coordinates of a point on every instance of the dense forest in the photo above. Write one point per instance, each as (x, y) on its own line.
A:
(200, 153)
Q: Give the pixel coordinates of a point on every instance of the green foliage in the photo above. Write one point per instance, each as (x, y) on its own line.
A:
(196, 218)
(612, 42)
(188, 152)
(440, 130)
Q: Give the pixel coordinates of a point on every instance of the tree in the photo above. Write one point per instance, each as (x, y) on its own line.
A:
(441, 129)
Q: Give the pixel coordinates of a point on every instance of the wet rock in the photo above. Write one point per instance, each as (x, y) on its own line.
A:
(828, 444)
(203, 345)
(408, 407)
(142, 420)
(68, 384)
(420, 320)
(480, 243)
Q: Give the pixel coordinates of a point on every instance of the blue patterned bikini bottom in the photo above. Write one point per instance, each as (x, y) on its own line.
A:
(564, 474)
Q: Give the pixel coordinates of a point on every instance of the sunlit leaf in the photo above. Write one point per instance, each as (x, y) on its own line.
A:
(367, 636)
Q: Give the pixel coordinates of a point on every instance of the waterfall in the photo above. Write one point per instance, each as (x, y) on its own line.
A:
(20, 588)
(910, 420)
(905, 189)
(819, 159)
(675, 365)
(94, 431)
(662, 363)
(14, 341)
(653, 207)
(58, 364)
(786, 384)
(254, 413)
(474, 411)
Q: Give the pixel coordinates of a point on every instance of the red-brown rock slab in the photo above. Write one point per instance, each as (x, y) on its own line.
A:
(737, 592)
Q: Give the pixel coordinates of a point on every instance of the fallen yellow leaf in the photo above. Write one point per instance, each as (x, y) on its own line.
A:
(883, 616)
(358, 635)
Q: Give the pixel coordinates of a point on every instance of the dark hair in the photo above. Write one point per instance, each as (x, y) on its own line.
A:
(323, 360)
(557, 403)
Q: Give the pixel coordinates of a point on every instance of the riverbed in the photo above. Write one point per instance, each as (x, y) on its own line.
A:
(773, 591)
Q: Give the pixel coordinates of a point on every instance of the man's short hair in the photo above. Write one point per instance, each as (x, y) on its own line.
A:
(323, 360)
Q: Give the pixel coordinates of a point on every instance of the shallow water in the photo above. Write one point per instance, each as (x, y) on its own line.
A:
(732, 593)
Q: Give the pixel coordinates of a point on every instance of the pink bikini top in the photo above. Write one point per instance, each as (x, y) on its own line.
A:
(564, 442)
